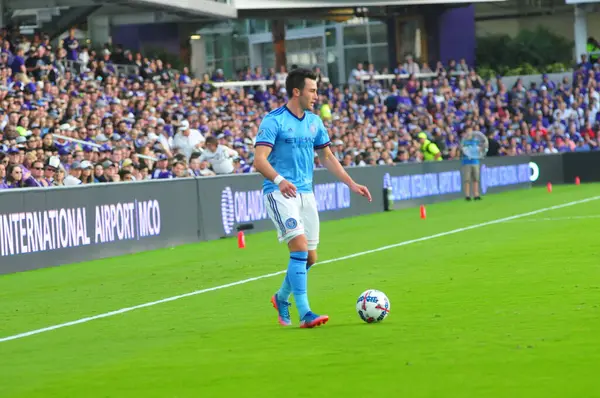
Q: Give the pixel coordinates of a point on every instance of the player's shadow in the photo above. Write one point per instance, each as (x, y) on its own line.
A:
(335, 325)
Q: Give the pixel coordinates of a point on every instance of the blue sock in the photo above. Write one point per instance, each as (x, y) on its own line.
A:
(286, 288)
(296, 276)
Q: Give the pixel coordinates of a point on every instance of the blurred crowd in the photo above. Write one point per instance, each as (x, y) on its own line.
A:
(85, 122)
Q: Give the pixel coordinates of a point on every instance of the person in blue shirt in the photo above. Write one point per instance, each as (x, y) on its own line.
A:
(470, 160)
(284, 155)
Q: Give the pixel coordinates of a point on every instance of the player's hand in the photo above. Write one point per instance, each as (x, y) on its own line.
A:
(287, 189)
(361, 190)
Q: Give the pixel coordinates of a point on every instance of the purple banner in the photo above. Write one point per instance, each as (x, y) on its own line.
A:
(138, 37)
(457, 34)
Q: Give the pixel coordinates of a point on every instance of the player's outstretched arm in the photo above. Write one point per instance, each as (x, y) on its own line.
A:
(262, 165)
(333, 165)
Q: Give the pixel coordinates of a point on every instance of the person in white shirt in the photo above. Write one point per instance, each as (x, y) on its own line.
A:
(74, 175)
(550, 149)
(357, 74)
(282, 75)
(220, 157)
(411, 66)
(187, 141)
(84, 58)
(562, 113)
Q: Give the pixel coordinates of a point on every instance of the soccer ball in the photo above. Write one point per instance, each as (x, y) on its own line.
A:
(373, 306)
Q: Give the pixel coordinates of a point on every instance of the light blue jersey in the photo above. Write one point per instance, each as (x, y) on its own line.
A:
(293, 141)
(472, 147)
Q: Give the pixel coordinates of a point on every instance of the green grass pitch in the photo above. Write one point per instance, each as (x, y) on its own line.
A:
(504, 310)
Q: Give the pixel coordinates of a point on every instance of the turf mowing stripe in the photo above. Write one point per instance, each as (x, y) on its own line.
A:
(242, 282)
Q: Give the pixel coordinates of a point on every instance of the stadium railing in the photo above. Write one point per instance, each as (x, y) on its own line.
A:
(253, 83)
(75, 67)
(128, 70)
(92, 144)
(391, 76)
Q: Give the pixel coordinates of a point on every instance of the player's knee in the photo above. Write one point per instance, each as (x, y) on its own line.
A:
(312, 258)
(298, 244)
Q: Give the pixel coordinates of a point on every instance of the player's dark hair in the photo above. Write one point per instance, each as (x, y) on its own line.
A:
(296, 79)
(212, 140)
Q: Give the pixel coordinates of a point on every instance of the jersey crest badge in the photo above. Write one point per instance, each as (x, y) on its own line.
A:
(313, 129)
(291, 223)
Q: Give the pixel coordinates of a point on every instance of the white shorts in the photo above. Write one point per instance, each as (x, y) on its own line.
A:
(294, 217)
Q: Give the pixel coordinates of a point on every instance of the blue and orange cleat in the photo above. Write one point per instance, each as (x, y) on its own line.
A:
(310, 320)
(283, 310)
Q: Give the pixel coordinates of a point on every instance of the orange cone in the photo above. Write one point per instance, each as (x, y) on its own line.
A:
(423, 212)
(577, 181)
(549, 186)
(241, 240)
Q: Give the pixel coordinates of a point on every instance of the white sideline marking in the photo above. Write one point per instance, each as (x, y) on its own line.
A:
(571, 218)
(242, 282)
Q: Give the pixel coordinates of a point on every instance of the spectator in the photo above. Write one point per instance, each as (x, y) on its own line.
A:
(429, 149)
(218, 156)
(73, 178)
(59, 179)
(51, 169)
(3, 183)
(187, 140)
(71, 45)
(86, 172)
(125, 176)
(14, 176)
(179, 170)
(282, 74)
(357, 74)
(411, 67)
(240, 166)
(37, 175)
(162, 170)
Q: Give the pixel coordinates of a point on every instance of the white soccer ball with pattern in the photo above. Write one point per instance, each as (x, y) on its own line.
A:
(373, 306)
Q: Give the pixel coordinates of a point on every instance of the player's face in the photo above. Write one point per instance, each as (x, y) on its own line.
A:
(309, 96)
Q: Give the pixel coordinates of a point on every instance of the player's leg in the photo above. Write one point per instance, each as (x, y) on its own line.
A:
(309, 216)
(312, 226)
(466, 181)
(286, 288)
(310, 219)
(285, 214)
(312, 258)
(476, 178)
(296, 274)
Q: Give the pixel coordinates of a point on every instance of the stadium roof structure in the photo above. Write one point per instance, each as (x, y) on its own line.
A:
(181, 10)
(221, 9)
(336, 8)
(287, 4)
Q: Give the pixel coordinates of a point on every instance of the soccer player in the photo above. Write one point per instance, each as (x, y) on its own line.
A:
(284, 155)
(470, 164)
